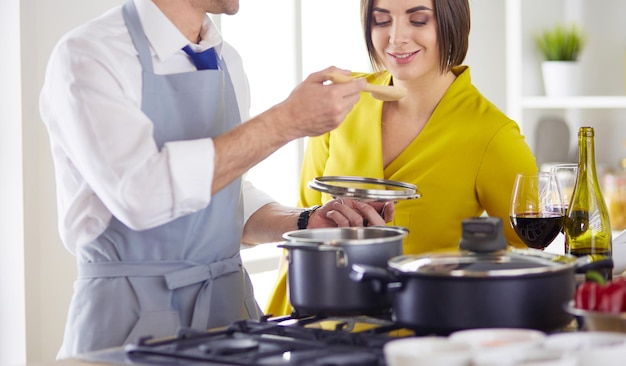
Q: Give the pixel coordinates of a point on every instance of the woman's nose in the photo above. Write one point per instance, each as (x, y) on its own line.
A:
(398, 33)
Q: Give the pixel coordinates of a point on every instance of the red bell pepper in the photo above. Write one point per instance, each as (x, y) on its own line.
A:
(597, 295)
(613, 298)
(588, 295)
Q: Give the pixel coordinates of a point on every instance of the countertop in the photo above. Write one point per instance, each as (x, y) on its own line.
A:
(68, 362)
(83, 360)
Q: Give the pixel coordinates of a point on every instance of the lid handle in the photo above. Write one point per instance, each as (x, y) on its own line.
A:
(482, 235)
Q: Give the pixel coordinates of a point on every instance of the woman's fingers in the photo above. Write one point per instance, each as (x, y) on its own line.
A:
(388, 211)
(348, 212)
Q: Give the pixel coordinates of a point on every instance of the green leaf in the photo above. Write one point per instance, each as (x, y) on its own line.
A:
(595, 276)
(561, 43)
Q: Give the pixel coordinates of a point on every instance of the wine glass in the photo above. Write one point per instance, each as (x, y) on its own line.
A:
(537, 209)
(566, 177)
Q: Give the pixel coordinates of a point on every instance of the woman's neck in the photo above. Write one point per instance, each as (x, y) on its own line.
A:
(424, 94)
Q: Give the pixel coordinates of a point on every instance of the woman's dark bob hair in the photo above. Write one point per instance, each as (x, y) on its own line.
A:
(453, 27)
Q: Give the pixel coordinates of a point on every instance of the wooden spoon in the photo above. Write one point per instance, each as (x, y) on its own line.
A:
(387, 93)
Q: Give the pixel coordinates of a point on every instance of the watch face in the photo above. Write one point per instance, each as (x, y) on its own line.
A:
(370, 189)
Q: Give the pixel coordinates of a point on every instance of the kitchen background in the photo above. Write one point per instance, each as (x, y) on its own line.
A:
(299, 37)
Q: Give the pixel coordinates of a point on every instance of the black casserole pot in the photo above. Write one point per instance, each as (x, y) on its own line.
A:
(484, 285)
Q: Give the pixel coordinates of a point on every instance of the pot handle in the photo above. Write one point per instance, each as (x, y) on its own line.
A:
(581, 264)
(380, 278)
(593, 262)
(341, 258)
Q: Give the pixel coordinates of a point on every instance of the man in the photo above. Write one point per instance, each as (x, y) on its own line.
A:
(149, 151)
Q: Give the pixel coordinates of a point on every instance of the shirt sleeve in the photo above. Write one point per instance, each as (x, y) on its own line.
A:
(103, 143)
(253, 199)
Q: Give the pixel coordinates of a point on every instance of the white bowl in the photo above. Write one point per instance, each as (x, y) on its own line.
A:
(427, 351)
(530, 357)
(598, 320)
(500, 339)
(591, 348)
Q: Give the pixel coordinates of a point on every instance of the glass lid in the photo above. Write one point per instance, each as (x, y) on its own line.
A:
(505, 263)
(362, 188)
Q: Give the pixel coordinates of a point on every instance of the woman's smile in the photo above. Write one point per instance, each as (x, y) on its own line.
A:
(403, 58)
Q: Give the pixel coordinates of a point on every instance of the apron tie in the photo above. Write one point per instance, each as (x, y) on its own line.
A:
(199, 273)
(206, 274)
(176, 274)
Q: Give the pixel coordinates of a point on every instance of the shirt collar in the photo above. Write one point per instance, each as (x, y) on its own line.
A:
(165, 39)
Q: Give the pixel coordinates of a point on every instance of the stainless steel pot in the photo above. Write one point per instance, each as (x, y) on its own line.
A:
(320, 263)
(482, 286)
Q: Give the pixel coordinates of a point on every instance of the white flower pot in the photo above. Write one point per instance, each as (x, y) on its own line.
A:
(561, 78)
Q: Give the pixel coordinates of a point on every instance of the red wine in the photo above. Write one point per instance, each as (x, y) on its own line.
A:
(537, 230)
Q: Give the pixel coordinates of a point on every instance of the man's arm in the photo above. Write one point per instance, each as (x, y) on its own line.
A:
(312, 108)
(271, 221)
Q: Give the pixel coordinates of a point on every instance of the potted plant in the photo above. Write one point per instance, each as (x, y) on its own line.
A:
(560, 47)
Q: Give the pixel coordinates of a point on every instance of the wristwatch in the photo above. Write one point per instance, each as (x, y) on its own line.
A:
(303, 219)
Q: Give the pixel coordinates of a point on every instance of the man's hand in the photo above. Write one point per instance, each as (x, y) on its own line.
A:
(315, 107)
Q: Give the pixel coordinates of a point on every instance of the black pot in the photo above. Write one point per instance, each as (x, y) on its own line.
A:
(320, 263)
(482, 286)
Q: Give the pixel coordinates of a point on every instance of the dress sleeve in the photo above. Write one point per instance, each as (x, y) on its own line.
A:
(507, 155)
(313, 166)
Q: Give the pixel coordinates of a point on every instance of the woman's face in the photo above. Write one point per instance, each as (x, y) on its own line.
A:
(404, 35)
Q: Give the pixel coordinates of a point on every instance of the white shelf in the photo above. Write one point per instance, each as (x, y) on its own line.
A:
(579, 102)
(526, 103)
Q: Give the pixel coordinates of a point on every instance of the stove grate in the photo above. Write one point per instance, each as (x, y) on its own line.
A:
(264, 342)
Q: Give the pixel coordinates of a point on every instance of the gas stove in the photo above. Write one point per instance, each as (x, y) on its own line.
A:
(317, 340)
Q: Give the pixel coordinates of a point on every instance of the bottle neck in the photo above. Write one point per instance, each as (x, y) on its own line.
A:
(586, 157)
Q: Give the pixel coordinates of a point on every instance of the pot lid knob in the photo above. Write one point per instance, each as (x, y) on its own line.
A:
(482, 235)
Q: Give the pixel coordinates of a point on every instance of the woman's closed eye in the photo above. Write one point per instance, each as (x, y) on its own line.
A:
(418, 20)
(381, 20)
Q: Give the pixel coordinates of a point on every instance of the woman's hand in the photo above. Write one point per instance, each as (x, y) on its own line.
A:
(347, 212)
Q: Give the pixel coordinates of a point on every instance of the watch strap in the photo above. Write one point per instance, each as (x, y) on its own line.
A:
(303, 218)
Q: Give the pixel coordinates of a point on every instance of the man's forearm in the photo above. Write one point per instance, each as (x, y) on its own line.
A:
(269, 223)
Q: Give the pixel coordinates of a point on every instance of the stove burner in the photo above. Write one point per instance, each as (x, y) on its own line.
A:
(229, 346)
(316, 358)
(348, 359)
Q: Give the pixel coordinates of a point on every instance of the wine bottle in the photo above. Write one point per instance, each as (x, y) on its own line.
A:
(587, 224)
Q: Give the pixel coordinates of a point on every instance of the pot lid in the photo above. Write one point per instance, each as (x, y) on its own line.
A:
(484, 253)
(364, 188)
(504, 263)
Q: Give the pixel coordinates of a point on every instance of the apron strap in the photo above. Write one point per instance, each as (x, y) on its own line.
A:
(136, 34)
(177, 273)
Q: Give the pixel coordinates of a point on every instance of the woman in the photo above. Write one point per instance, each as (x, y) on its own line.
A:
(444, 136)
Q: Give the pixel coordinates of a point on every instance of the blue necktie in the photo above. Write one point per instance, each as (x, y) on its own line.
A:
(203, 60)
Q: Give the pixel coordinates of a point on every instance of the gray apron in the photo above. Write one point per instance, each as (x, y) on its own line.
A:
(187, 272)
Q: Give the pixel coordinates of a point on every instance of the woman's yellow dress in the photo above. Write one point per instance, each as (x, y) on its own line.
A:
(464, 163)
